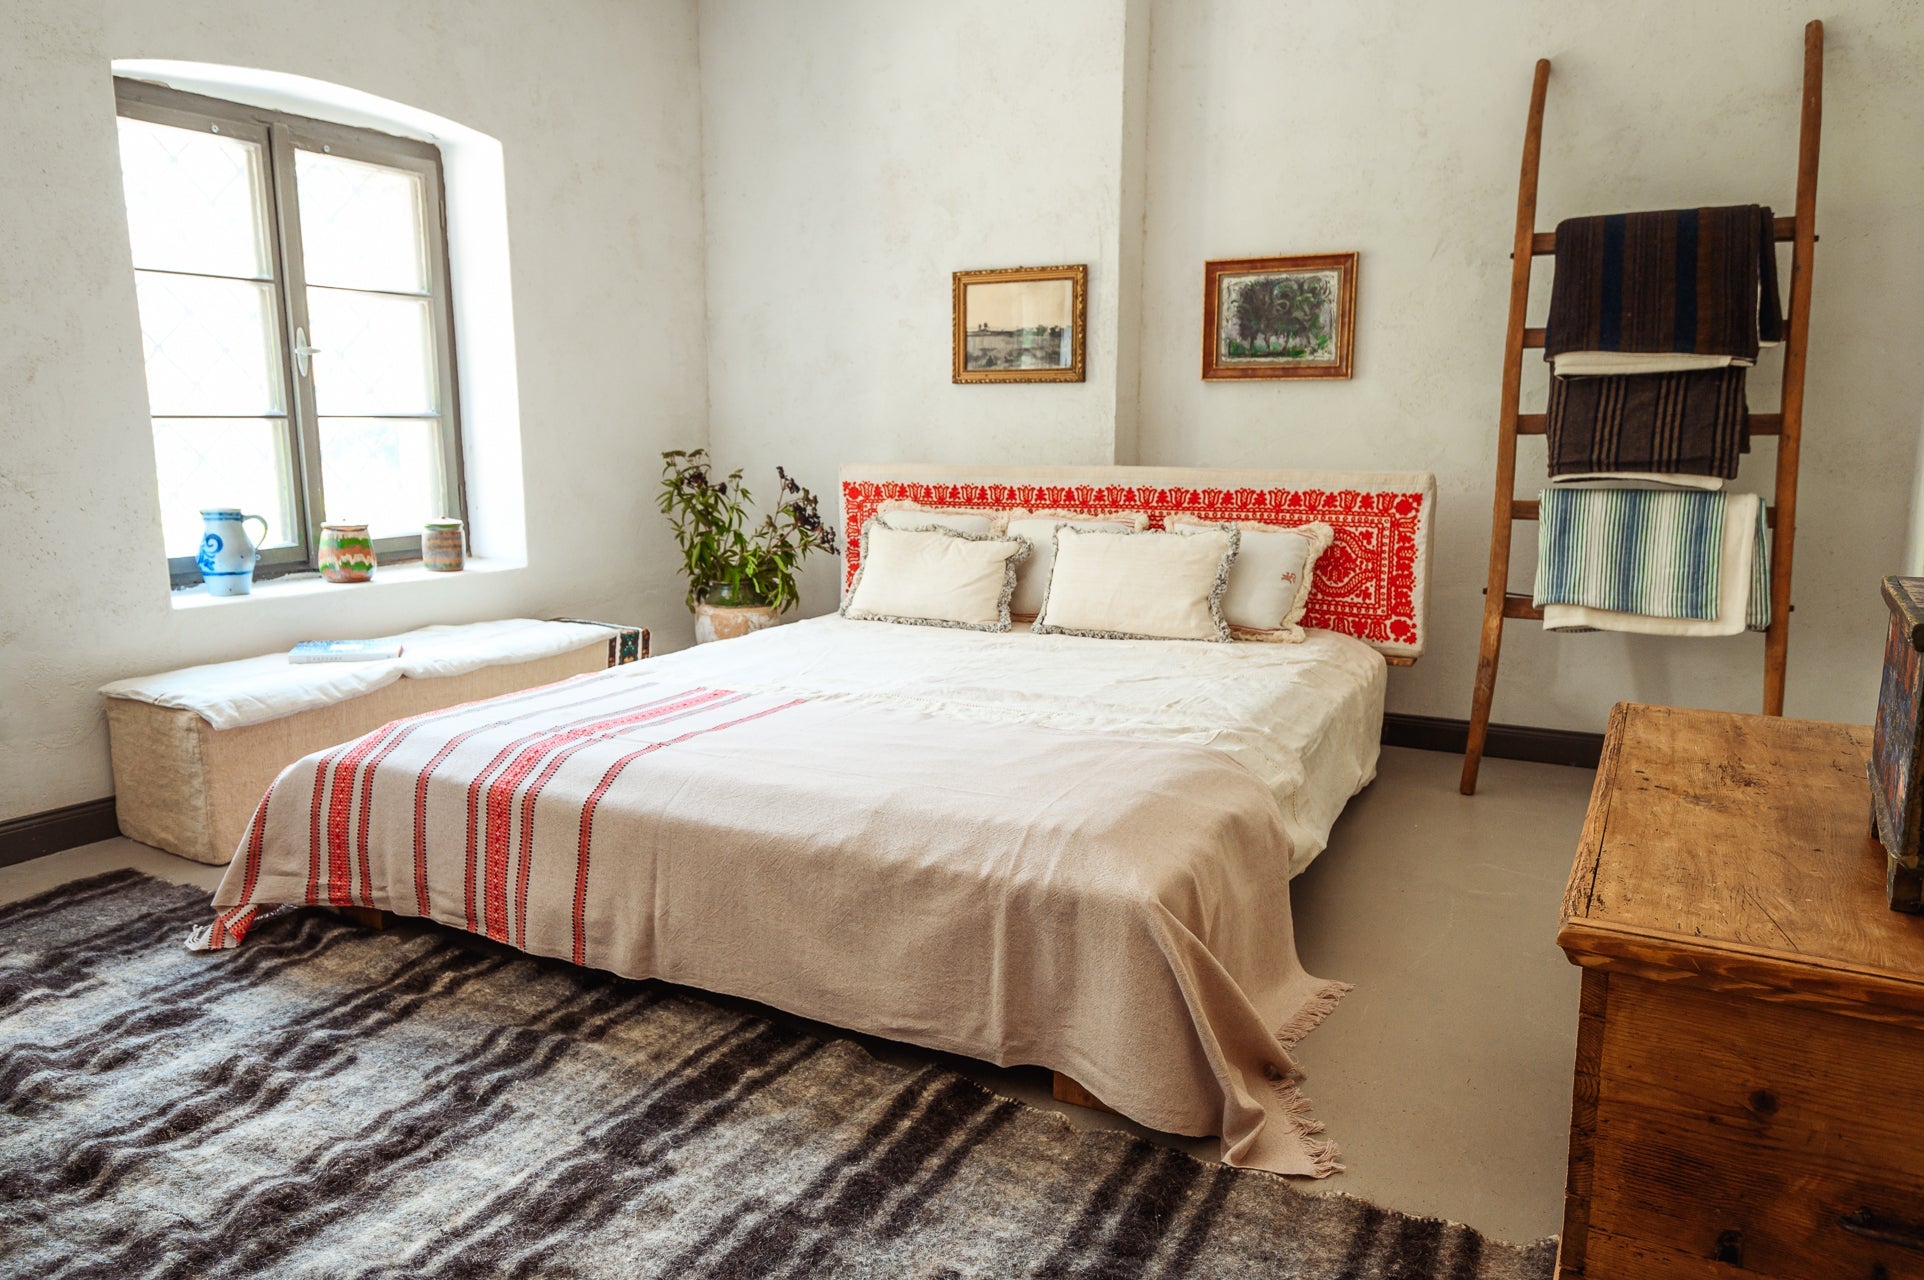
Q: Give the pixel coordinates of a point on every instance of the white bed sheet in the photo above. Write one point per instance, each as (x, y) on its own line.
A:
(1306, 718)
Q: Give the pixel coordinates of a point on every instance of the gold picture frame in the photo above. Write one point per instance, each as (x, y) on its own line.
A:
(1011, 324)
(1285, 317)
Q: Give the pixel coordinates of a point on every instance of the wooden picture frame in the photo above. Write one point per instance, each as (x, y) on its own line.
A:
(1009, 322)
(1309, 299)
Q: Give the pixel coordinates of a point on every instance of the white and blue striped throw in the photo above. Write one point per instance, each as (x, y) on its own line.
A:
(1757, 608)
(1646, 551)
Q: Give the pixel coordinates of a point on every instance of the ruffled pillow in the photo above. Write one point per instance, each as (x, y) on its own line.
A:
(1117, 585)
(934, 577)
(1270, 584)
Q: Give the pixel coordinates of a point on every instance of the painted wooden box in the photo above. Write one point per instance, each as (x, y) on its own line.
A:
(625, 645)
(1897, 802)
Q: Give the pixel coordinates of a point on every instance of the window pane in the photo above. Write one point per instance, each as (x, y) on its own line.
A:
(195, 200)
(211, 345)
(360, 224)
(382, 473)
(376, 353)
(223, 462)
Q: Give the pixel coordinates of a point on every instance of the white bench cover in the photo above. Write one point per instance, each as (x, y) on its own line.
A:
(194, 750)
(230, 694)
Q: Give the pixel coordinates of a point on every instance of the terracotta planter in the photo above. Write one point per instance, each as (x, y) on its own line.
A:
(725, 622)
(347, 553)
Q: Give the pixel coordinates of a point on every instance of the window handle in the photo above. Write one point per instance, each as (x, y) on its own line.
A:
(302, 351)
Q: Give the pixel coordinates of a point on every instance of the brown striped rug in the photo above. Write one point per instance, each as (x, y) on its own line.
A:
(332, 1102)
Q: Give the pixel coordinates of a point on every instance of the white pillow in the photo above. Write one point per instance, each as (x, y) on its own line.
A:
(934, 577)
(1032, 579)
(1270, 583)
(898, 514)
(1139, 586)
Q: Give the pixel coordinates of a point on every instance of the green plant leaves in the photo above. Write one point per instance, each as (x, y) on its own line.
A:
(710, 522)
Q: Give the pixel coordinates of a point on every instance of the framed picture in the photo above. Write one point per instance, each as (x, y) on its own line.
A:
(1020, 325)
(1279, 317)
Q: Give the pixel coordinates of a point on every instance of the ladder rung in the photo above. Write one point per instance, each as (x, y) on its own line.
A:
(1516, 606)
(1519, 606)
(1529, 509)
(1533, 339)
(1782, 229)
(1761, 424)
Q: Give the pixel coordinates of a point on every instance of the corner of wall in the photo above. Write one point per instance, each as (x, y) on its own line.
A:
(1130, 228)
(698, 10)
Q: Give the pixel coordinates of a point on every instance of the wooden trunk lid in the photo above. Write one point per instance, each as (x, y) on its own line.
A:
(1736, 853)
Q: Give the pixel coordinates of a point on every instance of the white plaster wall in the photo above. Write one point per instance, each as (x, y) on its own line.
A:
(596, 105)
(1395, 129)
(856, 153)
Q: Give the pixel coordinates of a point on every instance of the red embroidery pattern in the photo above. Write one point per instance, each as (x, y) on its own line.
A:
(1365, 584)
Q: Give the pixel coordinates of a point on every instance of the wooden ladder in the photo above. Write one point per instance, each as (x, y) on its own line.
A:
(1501, 605)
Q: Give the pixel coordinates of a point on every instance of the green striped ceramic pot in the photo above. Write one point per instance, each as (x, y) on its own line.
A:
(347, 553)
(441, 546)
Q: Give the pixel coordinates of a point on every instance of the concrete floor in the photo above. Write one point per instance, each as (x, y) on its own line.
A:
(1445, 1075)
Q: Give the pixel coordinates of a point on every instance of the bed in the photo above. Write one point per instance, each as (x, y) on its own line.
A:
(1028, 849)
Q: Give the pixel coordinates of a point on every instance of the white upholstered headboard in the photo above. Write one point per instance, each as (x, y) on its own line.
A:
(1373, 582)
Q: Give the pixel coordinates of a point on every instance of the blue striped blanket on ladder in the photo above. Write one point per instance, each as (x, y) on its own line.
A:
(1653, 552)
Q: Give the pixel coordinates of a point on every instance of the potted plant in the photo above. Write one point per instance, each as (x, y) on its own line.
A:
(740, 579)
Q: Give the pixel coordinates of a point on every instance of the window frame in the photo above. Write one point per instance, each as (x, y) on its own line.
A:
(281, 135)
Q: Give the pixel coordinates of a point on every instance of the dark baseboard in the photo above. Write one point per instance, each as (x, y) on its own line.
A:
(1506, 741)
(39, 834)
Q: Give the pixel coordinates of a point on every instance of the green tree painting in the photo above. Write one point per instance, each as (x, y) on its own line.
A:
(1287, 316)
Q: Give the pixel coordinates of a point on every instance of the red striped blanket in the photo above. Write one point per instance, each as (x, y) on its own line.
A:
(1111, 907)
(500, 796)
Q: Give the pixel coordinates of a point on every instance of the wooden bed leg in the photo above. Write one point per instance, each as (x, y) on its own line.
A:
(1067, 1090)
(366, 917)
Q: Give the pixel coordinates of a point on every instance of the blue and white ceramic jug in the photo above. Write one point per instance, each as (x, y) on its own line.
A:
(226, 557)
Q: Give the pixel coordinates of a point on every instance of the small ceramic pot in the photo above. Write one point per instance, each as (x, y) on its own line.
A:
(346, 553)
(441, 546)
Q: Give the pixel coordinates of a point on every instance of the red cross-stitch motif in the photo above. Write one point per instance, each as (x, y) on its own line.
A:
(1365, 584)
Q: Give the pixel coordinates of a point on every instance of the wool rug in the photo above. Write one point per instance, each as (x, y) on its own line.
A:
(330, 1101)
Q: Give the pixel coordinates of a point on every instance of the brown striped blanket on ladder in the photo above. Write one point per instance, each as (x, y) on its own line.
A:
(1691, 423)
(1682, 282)
(1110, 907)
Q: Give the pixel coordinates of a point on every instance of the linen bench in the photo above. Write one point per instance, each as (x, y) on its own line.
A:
(194, 750)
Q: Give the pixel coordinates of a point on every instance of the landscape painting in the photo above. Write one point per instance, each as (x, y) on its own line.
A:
(1279, 317)
(1022, 324)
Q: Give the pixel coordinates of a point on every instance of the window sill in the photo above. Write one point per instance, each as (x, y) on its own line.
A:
(294, 586)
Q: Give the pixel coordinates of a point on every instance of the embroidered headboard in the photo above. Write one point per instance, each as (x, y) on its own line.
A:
(1373, 582)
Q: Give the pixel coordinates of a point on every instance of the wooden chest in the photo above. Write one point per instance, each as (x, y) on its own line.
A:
(1750, 1051)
